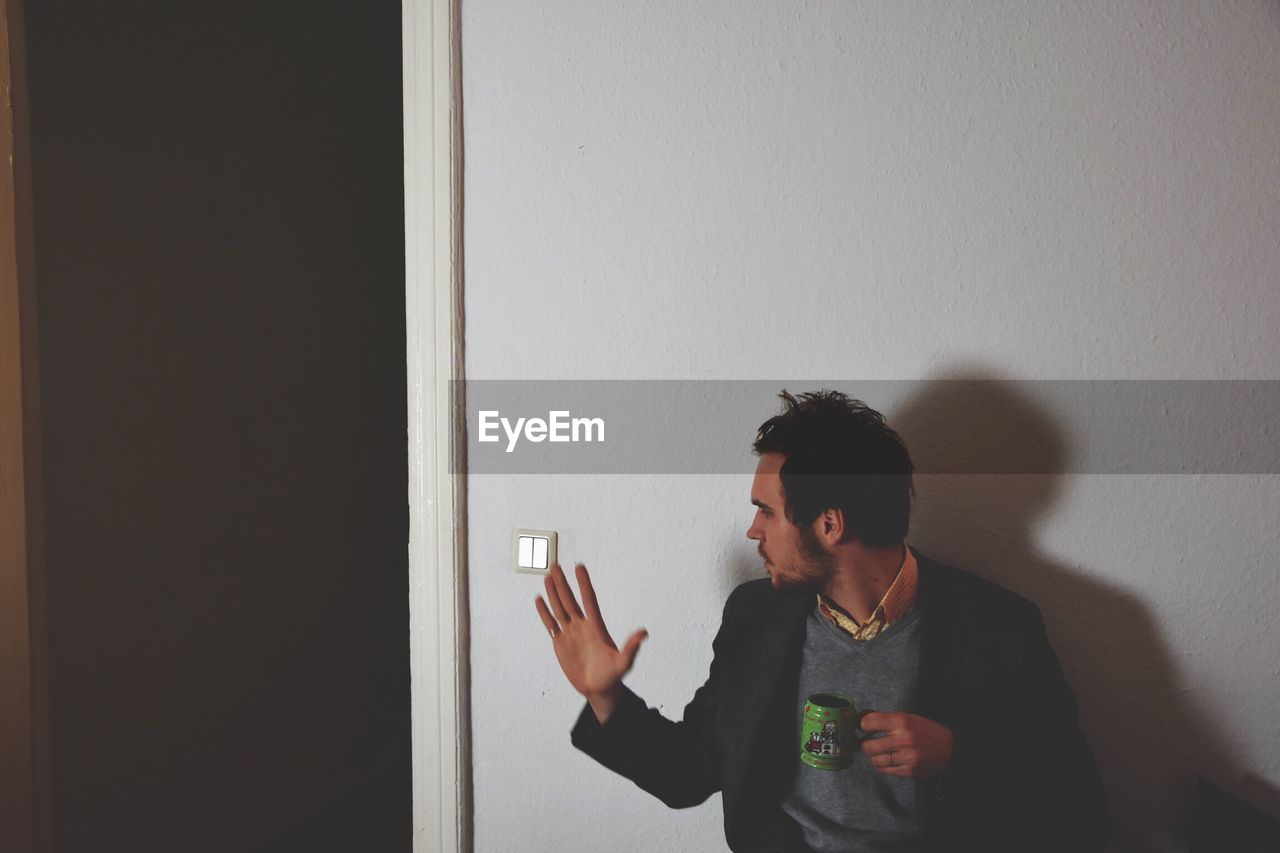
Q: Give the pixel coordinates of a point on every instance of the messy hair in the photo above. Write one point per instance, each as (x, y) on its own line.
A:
(840, 453)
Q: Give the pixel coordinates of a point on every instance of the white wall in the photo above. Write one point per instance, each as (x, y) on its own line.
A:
(891, 190)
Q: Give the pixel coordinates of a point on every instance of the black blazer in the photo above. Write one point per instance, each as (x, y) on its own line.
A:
(1021, 775)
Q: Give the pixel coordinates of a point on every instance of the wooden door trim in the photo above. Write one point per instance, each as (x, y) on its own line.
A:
(438, 620)
(24, 778)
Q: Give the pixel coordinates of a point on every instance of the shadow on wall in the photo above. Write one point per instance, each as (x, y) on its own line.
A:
(990, 464)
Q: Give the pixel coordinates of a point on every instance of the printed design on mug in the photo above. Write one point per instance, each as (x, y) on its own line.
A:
(825, 741)
(828, 736)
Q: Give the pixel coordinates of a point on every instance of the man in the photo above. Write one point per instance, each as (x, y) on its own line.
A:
(970, 739)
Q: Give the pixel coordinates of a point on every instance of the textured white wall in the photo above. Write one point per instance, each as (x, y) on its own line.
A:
(888, 190)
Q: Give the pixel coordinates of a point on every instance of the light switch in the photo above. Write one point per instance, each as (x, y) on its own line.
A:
(535, 550)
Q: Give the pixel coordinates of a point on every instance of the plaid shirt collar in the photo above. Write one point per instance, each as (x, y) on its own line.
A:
(897, 601)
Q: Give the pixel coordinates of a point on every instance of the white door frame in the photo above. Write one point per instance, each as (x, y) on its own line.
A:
(437, 448)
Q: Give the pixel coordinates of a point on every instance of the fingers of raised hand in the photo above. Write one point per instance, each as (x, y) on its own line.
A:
(567, 599)
(560, 596)
(589, 602)
(553, 598)
(632, 646)
(548, 620)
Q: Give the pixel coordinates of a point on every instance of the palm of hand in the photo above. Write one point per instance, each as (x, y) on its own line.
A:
(586, 652)
(590, 659)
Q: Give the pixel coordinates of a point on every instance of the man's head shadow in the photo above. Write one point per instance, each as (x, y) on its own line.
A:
(991, 464)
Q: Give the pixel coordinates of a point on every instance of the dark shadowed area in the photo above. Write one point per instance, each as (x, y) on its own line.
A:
(219, 236)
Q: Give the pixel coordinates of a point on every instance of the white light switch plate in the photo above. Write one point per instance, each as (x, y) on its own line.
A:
(534, 550)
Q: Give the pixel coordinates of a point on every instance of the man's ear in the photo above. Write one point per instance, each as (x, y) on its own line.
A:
(830, 526)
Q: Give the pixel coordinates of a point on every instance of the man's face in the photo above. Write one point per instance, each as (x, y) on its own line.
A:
(793, 558)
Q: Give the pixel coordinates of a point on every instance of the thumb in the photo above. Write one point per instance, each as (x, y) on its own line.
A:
(632, 646)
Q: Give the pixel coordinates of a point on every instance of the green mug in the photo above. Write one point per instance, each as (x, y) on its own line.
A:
(827, 738)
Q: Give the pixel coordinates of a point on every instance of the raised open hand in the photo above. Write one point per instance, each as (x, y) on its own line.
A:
(591, 661)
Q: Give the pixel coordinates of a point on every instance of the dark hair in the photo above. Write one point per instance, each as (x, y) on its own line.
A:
(840, 453)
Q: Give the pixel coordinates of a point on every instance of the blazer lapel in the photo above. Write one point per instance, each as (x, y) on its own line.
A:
(941, 641)
(772, 654)
(764, 684)
(943, 629)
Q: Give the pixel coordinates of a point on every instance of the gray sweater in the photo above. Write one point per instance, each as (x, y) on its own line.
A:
(858, 808)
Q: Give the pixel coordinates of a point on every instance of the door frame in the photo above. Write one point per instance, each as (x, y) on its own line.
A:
(25, 823)
(438, 622)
